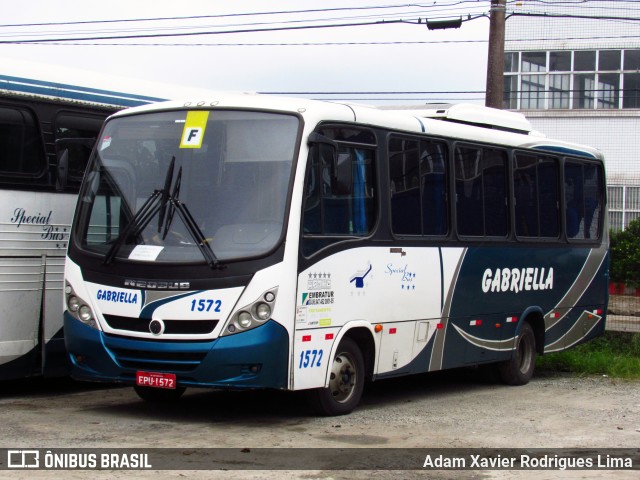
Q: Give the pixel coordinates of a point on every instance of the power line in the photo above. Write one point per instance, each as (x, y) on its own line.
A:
(282, 44)
(186, 34)
(386, 16)
(569, 15)
(221, 32)
(282, 12)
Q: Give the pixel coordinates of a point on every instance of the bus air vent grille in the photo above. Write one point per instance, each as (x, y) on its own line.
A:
(171, 327)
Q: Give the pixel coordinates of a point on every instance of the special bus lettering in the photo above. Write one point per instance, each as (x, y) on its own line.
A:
(117, 297)
(20, 216)
(517, 279)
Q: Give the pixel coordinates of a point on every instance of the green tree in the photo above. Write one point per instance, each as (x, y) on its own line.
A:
(625, 255)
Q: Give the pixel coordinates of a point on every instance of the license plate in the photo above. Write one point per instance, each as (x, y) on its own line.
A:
(156, 380)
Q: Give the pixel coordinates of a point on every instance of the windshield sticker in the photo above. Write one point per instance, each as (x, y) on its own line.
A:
(147, 253)
(106, 142)
(193, 131)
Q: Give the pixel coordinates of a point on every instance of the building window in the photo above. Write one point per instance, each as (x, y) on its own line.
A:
(534, 61)
(511, 62)
(584, 90)
(608, 90)
(581, 79)
(559, 90)
(510, 92)
(624, 205)
(532, 88)
(584, 61)
(609, 60)
(631, 90)
(560, 61)
(631, 60)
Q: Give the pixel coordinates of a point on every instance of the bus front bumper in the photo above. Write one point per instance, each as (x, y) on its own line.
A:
(257, 358)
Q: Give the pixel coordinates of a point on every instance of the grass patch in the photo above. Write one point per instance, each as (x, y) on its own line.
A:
(616, 354)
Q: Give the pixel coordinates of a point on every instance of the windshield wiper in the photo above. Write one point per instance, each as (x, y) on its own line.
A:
(192, 226)
(143, 216)
(165, 192)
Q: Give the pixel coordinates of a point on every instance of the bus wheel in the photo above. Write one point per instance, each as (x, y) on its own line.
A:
(159, 395)
(519, 369)
(346, 382)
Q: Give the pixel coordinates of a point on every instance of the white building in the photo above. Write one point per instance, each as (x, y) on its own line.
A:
(573, 68)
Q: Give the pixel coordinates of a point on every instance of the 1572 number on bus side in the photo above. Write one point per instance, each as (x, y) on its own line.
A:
(310, 358)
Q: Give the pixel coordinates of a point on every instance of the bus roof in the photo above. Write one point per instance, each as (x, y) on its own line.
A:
(52, 82)
(475, 123)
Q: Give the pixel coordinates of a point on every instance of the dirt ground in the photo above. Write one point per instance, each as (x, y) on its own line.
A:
(460, 409)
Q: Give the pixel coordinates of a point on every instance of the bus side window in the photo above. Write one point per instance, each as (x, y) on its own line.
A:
(330, 214)
(74, 125)
(21, 149)
(418, 186)
(583, 200)
(536, 195)
(481, 191)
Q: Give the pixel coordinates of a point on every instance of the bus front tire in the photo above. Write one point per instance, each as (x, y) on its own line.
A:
(159, 395)
(519, 369)
(346, 382)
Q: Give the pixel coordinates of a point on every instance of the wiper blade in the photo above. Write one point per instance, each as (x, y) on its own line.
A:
(174, 196)
(143, 216)
(192, 226)
(165, 192)
(140, 220)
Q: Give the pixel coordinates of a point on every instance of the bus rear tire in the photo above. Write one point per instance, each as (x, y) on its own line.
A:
(519, 369)
(159, 395)
(346, 382)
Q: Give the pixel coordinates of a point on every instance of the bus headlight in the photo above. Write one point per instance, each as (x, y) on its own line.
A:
(73, 303)
(78, 308)
(252, 315)
(244, 319)
(85, 314)
(263, 311)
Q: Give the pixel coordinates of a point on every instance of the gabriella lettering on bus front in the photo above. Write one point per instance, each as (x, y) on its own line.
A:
(117, 296)
(517, 279)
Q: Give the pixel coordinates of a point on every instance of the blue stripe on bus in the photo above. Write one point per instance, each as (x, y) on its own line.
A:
(421, 124)
(74, 92)
(558, 149)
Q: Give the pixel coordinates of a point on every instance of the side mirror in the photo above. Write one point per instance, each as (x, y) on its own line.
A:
(72, 154)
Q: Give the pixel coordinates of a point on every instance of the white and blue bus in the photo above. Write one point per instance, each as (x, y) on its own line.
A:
(248, 241)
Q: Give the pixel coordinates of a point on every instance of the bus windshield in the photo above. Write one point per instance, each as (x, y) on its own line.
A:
(188, 186)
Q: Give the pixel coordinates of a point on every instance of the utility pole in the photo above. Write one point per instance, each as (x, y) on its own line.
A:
(495, 63)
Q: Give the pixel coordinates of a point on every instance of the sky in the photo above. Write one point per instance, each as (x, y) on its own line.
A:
(292, 47)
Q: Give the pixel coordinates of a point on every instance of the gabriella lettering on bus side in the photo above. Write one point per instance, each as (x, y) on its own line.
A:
(117, 297)
(517, 279)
